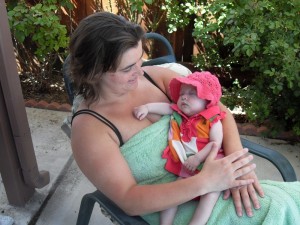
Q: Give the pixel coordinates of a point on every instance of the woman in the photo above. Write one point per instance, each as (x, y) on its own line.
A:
(110, 144)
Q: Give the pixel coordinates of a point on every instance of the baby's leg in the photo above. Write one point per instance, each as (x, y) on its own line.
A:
(167, 216)
(204, 208)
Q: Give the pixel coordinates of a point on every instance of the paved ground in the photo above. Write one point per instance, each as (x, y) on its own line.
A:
(58, 202)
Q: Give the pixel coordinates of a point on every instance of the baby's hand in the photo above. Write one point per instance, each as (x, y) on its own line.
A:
(192, 163)
(140, 112)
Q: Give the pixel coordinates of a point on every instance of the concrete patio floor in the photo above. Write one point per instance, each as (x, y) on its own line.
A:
(59, 201)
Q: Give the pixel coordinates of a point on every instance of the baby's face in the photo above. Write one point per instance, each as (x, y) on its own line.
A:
(189, 102)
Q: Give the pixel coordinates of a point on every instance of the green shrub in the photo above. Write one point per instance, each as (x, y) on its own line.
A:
(132, 9)
(39, 37)
(259, 36)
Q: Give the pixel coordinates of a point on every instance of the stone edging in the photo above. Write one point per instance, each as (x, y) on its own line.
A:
(262, 131)
(51, 106)
(244, 128)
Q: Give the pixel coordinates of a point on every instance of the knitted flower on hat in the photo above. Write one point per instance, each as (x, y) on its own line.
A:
(207, 85)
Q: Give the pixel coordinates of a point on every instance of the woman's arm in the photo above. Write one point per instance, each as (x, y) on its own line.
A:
(231, 144)
(162, 76)
(231, 137)
(96, 152)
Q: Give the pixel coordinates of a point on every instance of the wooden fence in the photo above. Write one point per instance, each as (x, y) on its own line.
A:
(181, 41)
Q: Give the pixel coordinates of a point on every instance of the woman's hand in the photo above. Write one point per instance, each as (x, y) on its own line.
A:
(224, 173)
(246, 196)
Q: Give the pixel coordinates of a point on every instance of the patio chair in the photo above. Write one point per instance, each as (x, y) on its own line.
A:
(116, 214)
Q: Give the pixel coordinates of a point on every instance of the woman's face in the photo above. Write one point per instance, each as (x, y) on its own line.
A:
(189, 102)
(125, 78)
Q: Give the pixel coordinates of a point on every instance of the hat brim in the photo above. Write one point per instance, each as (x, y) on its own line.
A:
(175, 86)
(201, 81)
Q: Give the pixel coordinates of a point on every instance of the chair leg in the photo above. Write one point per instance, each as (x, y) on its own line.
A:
(86, 209)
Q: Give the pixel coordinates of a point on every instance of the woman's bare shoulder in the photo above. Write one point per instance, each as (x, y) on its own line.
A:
(99, 157)
(89, 133)
(161, 75)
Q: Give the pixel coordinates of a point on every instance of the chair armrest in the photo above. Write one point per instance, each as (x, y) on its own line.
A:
(115, 212)
(278, 160)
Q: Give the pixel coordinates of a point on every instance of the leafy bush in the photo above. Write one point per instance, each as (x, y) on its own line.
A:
(259, 36)
(132, 9)
(38, 36)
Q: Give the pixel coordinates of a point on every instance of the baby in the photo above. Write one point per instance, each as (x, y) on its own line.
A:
(194, 127)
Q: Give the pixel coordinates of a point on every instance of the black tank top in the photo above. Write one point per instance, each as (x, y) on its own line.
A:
(106, 121)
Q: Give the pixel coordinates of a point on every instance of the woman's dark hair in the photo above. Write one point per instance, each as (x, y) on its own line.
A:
(96, 46)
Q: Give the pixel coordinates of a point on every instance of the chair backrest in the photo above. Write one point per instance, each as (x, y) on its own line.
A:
(169, 58)
(67, 79)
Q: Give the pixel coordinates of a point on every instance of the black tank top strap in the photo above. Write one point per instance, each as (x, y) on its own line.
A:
(106, 121)
(102, 119)
(146, 75)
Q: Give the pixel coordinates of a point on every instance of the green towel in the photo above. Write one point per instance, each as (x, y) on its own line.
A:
(281, 204)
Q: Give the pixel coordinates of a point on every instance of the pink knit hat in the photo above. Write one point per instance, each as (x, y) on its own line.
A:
(208, 86)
